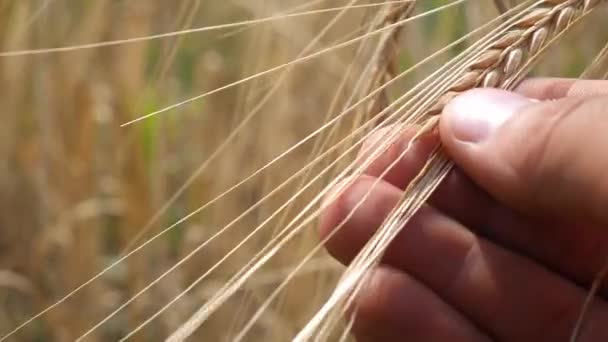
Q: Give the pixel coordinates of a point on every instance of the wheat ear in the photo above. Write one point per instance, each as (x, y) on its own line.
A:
(501, 65)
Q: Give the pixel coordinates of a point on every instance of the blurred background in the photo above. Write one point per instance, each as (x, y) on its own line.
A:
(77, 190)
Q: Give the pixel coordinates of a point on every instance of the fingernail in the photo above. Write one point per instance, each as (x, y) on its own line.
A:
(475, 115)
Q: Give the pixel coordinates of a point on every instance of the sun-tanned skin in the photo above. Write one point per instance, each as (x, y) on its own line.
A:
(508, 245)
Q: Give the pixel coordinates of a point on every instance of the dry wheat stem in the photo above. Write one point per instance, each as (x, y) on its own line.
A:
(240, 278)
(376, 151)
(371, 158)
(346, 333)
(291, 149)
(351, 280)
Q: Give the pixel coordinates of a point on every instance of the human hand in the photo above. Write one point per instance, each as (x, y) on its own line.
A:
(508, 245)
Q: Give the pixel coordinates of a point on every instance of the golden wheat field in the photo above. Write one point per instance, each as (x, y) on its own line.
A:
(162, 163)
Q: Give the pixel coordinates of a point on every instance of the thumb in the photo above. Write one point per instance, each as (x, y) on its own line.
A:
(543, 158)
